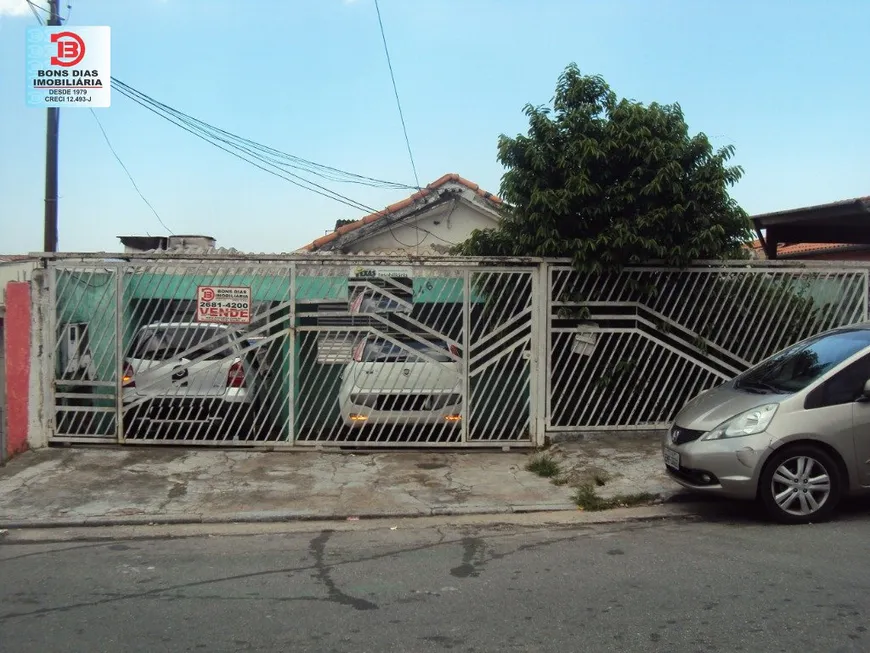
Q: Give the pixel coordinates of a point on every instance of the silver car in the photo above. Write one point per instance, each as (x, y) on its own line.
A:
(792, 431)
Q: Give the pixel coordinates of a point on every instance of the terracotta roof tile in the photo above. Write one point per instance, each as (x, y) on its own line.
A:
(398, 206)
(803, 248)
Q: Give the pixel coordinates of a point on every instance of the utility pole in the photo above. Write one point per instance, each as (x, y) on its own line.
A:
(52, 127)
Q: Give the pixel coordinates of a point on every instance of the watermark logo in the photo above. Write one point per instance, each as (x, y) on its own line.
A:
(70, 49)
(68, 67)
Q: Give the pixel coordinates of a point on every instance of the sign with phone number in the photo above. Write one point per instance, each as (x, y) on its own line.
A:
(223, 304)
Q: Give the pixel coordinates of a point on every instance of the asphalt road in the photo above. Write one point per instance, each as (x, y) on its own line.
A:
(716, 584)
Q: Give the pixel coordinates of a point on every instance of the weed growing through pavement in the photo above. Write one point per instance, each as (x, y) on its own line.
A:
(543, 465)
(587, 499)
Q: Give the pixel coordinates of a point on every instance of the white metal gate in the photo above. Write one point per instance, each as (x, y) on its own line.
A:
(626, 351)
(348, 351)
(242, 352)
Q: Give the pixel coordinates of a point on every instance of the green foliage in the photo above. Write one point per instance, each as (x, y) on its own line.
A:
(543, 465)
(613, 182)
(587, 498)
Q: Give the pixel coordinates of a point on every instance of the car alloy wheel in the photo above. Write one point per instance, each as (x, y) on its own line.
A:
(800, 484)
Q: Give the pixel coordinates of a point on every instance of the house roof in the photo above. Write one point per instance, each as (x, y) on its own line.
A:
(15, 258)
(352, 225)
(846, 222)
(804, 249)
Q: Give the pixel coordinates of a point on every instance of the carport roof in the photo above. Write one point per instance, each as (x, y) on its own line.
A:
(845, 223)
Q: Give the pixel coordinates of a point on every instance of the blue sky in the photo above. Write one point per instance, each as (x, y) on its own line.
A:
(785, 81)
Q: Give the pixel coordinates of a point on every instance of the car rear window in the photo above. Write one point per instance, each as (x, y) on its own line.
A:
(191, 342)
(384, 351)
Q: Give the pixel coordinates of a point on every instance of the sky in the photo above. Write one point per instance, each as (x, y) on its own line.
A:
(784, 81)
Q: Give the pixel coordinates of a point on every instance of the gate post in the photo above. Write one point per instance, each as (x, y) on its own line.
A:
(540, 355)
(119, 353)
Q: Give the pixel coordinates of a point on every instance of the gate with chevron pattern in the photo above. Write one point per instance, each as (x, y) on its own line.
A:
(301, 351)
(294, 352)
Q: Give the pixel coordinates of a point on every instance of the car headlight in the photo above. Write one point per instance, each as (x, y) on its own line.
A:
(748, 423)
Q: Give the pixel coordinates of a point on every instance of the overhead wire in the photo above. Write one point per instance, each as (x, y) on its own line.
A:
(329, 194)
(396, 92)
(268, 159)
(292, 161)
(34, 7)
(129, 176)
(401, 118)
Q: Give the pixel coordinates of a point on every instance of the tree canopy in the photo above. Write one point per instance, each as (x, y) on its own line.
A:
(612, 182)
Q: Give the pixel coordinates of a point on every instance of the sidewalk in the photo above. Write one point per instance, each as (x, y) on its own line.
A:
(116, 486)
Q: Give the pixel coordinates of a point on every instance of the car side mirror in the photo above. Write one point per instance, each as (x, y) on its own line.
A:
(865, 393)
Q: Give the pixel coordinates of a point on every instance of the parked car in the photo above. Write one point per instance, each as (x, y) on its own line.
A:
(401, 381)
(188, 375)
(792, 431)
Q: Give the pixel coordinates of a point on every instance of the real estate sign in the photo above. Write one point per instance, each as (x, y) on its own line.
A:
(223, 304)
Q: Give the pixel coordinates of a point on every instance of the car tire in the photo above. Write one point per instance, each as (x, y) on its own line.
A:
(801, 484)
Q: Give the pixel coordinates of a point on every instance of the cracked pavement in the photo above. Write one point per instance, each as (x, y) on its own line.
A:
(116, 485)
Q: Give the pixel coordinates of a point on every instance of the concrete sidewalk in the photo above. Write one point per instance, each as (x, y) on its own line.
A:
(118, 486)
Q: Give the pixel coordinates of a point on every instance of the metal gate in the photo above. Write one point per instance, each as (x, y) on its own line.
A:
(626, 351)
(282, 353)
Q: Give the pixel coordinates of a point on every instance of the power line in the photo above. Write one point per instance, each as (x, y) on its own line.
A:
(275, 161)
(326, 172)
(396, 93)
(402, 119)
(329, 194)
(34, 7)
(129, 176)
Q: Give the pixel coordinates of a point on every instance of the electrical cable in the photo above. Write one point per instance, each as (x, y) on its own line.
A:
(396, 92)
(129, 176)
(324, 171)
(401, 118)
(266, 155)
(337, 197)
(33, 7)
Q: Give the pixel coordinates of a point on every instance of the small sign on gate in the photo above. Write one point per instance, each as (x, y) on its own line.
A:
(223, 304)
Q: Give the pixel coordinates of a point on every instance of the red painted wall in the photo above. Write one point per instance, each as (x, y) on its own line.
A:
(17, 338)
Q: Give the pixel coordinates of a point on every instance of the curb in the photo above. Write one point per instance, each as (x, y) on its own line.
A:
(551, 519)
(267, 517)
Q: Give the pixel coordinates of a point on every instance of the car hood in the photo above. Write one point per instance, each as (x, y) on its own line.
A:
(709, 409)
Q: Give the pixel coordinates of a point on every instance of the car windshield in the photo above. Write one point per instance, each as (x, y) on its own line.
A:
(190, 342)
(384, 351)
(795, 368)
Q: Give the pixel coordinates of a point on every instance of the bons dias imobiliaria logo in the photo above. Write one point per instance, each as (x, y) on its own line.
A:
(68, 67)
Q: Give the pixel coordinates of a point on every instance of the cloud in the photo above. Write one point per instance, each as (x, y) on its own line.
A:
(14, 8)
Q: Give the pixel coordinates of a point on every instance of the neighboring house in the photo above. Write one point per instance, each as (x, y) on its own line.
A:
(430, 221)
(839, 231)
(168, 244)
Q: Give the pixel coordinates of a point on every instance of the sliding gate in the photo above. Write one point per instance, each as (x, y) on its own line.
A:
(289, 353)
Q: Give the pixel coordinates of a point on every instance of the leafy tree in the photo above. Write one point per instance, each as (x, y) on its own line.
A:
(611, 182)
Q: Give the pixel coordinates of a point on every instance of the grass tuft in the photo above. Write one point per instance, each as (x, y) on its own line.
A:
(587, 499)
(543, 465)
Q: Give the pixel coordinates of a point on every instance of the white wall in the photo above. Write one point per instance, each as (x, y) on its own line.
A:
(434, 231)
